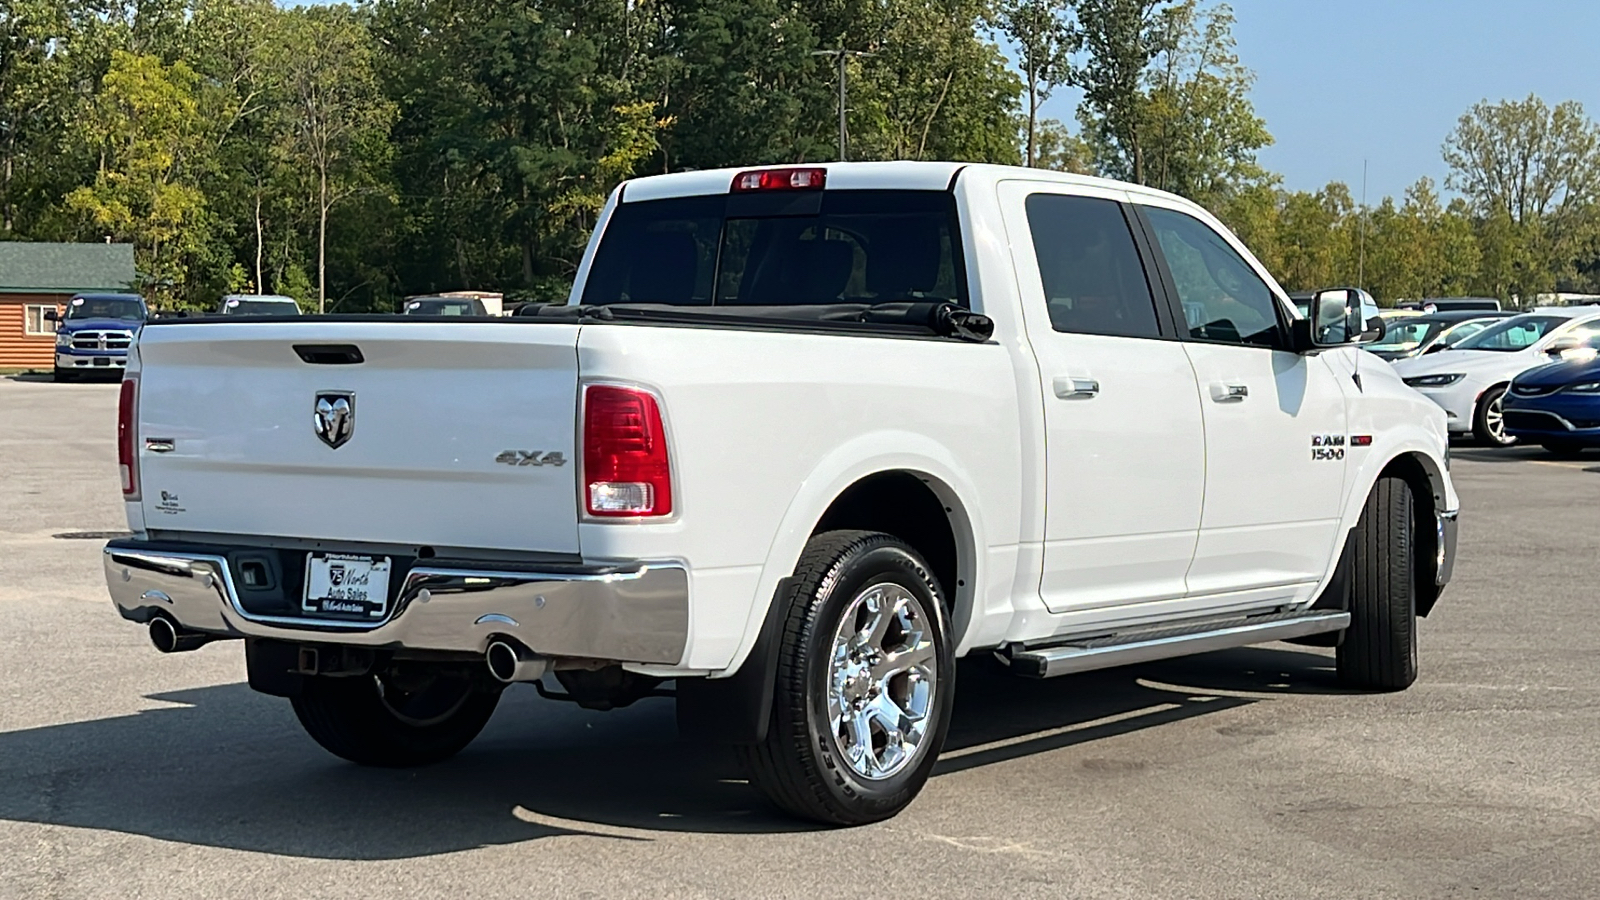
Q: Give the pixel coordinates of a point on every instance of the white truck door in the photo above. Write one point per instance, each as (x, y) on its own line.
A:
(1275, 430)
(1125, 459)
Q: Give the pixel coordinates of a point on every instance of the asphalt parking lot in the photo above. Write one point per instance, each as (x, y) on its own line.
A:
(1246, 773)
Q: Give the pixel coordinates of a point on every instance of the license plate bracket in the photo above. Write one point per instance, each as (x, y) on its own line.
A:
(346, 586)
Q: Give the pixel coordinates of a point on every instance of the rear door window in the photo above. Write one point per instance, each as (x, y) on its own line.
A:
(1093, 280)
(781, 250)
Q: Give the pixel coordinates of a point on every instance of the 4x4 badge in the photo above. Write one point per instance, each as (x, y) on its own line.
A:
(531, 458)
(334, 417)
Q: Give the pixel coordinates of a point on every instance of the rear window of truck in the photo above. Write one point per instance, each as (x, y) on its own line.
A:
(781, 249)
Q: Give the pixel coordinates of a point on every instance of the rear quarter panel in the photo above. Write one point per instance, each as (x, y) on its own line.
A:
(766, 429)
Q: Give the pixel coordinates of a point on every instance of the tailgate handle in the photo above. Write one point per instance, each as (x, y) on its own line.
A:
(330, 354)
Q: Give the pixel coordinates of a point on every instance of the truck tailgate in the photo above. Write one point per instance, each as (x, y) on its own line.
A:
(461, 434)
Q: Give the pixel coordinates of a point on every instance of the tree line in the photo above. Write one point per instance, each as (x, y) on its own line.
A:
(351, 155)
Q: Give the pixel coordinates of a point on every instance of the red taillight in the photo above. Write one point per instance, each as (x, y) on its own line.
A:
(811, 179)
(127, 458)
(625, 470)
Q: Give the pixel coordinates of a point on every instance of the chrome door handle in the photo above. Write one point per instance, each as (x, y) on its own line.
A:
(1076, 388)
(1229, 392)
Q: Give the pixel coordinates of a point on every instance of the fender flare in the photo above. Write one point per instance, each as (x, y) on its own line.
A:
(737, 708)
(1409, 459)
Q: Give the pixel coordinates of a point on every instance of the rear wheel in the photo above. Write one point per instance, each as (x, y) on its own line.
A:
(1379, 650)
(1489, 420)
(1563, 449)
(864, 685)
(404, 716)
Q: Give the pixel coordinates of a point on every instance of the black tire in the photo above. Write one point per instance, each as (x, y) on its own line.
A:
(1379, 650)
(1563, 449)
(62, 375)
(800, 765)
(1488, 419)
(399, 719)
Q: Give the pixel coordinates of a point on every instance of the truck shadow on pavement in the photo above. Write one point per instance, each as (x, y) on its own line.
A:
(1519, 453)
(225, 767)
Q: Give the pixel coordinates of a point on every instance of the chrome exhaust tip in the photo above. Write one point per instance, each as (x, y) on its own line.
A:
(510, 662)
(169, 638)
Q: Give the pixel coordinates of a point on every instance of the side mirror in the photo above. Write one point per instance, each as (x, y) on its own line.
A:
(50, 316)
(1559, 347)
(1436, 348)
(1376, 329)
(1334, 320)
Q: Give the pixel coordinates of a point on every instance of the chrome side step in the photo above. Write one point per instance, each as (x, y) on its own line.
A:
(1163, 643)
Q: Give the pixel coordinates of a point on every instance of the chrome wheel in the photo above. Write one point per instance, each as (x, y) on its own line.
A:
(882, 677)
(1494, 418)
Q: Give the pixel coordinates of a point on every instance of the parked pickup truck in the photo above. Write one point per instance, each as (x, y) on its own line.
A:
(92, 338)
(800, 439)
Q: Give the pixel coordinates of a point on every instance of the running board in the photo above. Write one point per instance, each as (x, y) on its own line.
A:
(1163, 643)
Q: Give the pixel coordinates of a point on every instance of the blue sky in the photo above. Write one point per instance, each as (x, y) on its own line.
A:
(1385, 80)
(1339, 81)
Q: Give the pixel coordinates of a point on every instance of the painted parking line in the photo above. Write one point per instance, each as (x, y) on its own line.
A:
(1560, 465)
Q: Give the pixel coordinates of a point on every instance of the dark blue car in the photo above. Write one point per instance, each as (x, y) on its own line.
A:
(1557, 406)
(94, 335)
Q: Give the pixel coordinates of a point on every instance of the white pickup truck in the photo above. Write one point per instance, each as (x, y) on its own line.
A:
(801, 438)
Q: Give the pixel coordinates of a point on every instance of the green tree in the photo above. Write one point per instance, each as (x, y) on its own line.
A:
(148, 132)
(516, 121)
(1526, 158)
(29, 84)
(235, 46)
(1316, 244)
(338, 116)
(1531, 173)
(1186, 123)
(1057, 148)
(1202, 131)
(1253, 214)
(1044, 37)
(732, 80)
(1120, 39)
(935, 89)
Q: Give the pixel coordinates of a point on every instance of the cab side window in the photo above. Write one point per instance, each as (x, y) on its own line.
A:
(1093, 280)
(1223, 298)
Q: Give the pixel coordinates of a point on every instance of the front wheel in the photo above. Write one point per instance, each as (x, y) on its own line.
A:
(401, 717)
(63, 375)
(1489, 419)
(865, 680)
(1379, 650)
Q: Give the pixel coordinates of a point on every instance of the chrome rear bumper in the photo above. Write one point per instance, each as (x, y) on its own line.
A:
(638, 612)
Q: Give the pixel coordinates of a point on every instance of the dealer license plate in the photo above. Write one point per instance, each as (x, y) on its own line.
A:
(353, 587)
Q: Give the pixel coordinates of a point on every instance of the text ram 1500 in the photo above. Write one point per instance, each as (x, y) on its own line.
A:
(801, 438)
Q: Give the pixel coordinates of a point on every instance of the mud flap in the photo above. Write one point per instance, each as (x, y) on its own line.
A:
(736, 709)
(273, 667)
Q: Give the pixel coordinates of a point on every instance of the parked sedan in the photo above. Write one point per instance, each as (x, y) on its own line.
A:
(1558, 406)
(1412, 336)
(1470, 380)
